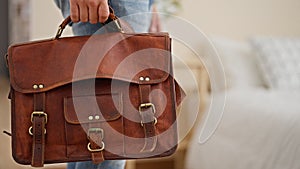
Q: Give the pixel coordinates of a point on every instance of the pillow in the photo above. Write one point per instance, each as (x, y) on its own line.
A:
(239, 63)
(279, 59)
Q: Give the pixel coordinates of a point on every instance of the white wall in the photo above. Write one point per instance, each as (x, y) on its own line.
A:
(45, 19)
(243, 18)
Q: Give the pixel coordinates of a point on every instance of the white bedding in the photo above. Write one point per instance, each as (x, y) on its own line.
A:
(260, 129)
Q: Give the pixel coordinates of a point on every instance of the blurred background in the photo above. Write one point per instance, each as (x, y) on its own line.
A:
(258, 44)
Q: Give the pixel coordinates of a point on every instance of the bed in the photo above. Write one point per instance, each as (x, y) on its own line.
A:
(260, 126)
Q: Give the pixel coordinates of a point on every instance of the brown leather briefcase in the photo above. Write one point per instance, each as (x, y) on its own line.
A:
(101, 97)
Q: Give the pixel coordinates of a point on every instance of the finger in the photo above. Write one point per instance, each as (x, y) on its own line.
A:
(93, 12)
(83, 12)
(74, 11)
(103, 11)
(156, 23)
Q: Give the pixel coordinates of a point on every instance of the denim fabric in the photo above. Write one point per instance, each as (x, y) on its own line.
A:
(108, 164)
(134, 12)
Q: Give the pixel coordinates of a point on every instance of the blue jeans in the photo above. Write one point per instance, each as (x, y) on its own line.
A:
(108, 164)
(133, 12)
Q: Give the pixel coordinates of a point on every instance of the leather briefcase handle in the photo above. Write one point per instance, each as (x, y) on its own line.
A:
(111, 17)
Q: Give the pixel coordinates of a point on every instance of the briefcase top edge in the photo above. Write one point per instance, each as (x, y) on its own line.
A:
(35, 72)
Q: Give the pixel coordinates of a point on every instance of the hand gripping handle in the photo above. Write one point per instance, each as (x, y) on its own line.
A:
(111, 17)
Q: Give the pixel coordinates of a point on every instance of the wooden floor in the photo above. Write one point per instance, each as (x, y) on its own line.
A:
(158, 163)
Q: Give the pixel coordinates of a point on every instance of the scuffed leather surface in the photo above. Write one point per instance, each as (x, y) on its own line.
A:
(51, 62)
(46, 60)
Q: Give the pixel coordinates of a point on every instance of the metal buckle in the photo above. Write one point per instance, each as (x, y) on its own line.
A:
(39, 113)
(118, 24)
(96, 130)
(31, 133)
(154, 122)
(96, 150)
(148, 105)
(59, 32)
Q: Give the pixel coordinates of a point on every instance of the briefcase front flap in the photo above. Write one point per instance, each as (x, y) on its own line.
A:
(43, 65)
(79, 110)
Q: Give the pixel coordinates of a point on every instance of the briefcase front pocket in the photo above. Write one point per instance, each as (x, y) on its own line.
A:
(104, 120)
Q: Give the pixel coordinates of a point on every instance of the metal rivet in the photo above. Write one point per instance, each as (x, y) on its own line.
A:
(142, 78)
(91, 117)
(35, 86)
(147, 79)
(97, 117)
(41, 86)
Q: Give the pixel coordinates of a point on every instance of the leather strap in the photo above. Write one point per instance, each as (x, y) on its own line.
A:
(39, 119)
(96, 144)
(39, 101)
(147, 112)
